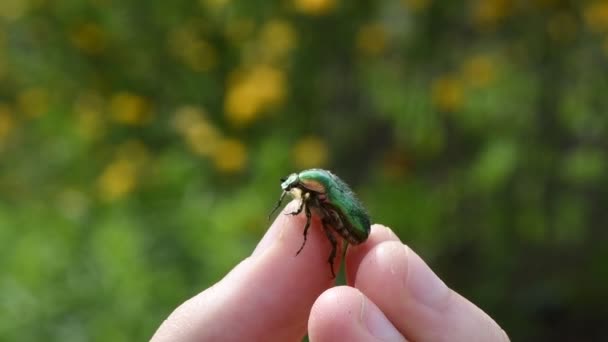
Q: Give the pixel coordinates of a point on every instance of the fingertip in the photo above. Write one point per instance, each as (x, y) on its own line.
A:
(344, 314)
(384, 233)
(355, 254)
(280, 223)
(310, 250)
(286, 236)
(334, 313)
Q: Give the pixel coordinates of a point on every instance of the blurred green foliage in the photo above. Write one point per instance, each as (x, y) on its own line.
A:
(141, 143)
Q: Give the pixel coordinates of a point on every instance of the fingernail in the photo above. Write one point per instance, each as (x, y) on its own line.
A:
(423, 284)
(376, 322)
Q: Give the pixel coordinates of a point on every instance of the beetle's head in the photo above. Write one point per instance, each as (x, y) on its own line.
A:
(290, 182)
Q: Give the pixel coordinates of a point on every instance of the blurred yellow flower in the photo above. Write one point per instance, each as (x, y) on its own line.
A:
(314, 7)
(117, 180)
(33, 102)
(89, 119)
(596, 16)
(277, 39)
(562, 27)
(7, 122)
(447, 93)
(186, 116)
(310, 152)
(230, 156)
(252, 91)
(488, 13)
(479, 71)
(416, 5)
(187, 45)
(201, 136)
(371, 40)
(12, 10)
(89, 38)
(130, 109)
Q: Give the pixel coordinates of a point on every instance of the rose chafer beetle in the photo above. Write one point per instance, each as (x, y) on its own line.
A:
(327, 196)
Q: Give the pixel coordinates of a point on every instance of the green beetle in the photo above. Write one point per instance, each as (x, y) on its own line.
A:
(323, 193)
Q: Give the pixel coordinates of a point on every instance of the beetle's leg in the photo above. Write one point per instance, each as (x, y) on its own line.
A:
(334, 245)
(301, 206)
(278, 204)
(308, 219)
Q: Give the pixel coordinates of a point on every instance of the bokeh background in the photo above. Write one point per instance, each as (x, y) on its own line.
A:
(141, 144)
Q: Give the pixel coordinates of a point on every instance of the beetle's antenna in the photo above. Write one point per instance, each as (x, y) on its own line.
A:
(278, 204)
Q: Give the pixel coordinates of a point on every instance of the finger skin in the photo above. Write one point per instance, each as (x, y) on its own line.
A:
(343, 313)
(268, 296)
(416, 301)
(355, 254)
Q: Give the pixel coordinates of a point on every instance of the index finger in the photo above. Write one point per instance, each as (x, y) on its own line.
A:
(268, 296)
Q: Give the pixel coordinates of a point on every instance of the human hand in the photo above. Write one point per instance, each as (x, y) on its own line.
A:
(274, 296)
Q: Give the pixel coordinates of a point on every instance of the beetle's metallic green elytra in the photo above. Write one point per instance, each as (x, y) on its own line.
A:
(323, 193)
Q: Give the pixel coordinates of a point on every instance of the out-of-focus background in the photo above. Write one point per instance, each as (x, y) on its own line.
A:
(142, 143)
